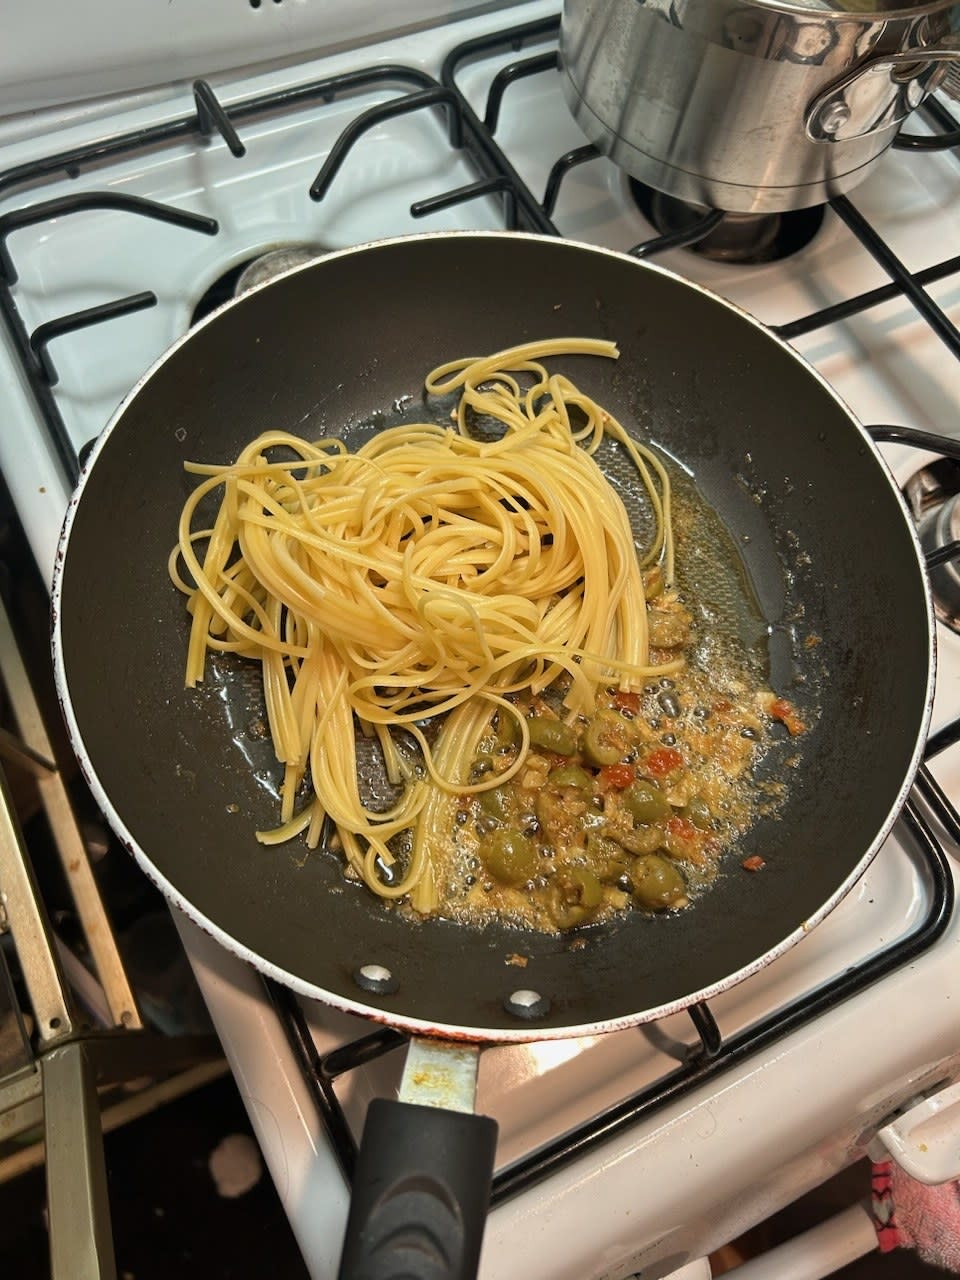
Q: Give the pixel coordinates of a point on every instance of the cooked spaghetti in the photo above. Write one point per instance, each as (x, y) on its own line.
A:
(439, 575)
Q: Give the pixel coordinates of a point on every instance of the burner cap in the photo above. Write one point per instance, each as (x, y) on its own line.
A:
(739, 237)
(273, 264)
(250, 272)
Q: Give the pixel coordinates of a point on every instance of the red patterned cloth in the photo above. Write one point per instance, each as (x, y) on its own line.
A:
(910, 1215)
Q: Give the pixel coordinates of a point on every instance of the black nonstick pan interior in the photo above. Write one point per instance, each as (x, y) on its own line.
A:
(803, 494)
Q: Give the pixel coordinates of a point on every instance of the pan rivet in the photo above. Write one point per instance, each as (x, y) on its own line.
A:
(376, 978)
(527, 1004)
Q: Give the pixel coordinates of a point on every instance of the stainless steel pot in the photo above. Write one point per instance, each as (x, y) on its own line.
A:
(749, 105)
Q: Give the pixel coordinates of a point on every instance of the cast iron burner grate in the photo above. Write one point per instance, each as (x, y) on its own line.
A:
(733, 237)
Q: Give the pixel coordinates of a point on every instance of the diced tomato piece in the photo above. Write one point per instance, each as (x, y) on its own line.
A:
(614, 777)
(683, 828)
(662, 761)
(786, 712)
(753, 863)
(624, 700)
(685, 841)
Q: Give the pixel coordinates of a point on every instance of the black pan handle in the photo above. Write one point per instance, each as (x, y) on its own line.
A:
(420, 1194)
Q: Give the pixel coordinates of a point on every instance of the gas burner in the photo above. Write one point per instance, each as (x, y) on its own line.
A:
(252, 271)
(934, 494)
(738, 237)
(272, 264)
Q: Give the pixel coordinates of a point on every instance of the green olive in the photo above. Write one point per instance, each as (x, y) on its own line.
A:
(570, 775)
(642, 839)
(560, 812)
(581, 887)
(657, 884)
(566, 915)
(698, 812)
(606, 738)
(508, 731)
(645, 802)
(552, 735)
(509, 857)
(494, 803)
(607, 857)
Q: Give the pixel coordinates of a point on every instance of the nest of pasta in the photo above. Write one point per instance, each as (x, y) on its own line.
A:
(436, 576)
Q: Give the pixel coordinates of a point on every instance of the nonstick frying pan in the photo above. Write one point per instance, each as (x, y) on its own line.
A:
(343, 344)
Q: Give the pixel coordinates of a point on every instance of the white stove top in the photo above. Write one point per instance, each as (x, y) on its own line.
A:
(732, 1148)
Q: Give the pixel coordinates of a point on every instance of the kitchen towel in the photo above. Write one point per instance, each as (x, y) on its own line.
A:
(910, 1215)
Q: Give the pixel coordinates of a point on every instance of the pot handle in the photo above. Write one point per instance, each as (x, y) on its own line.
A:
(422, 1183)
(879, 93)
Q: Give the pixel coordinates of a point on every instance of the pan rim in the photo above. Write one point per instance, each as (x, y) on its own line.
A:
(418, 1026)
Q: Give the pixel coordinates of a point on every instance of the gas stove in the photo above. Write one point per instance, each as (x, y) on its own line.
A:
(123, 217)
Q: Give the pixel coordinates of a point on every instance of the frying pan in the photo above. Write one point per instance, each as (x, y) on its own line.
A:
(828, 554)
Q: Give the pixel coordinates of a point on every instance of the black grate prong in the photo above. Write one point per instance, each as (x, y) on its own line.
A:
(359, 1052)
(472, 191)
(927, 142)
(424, 98)
(942, 555)
(212, 118)
(682, 239)
(945, 140)
(32, 214)
(916, 438)
(45, 333)
(711, 1041)
(579, 155)
(532, 66)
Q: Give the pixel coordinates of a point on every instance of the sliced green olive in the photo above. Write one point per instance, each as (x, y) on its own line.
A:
(642, 839)
(581, 887)
(567, 915)
(607, 857)
(560, 812)
(552, 735)
(698, 812)
(574, 897)
(657, 884)
(606, 738)
(570, 775)
(494, 803)
(508, 731)
(509, 857)
(645, 802)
